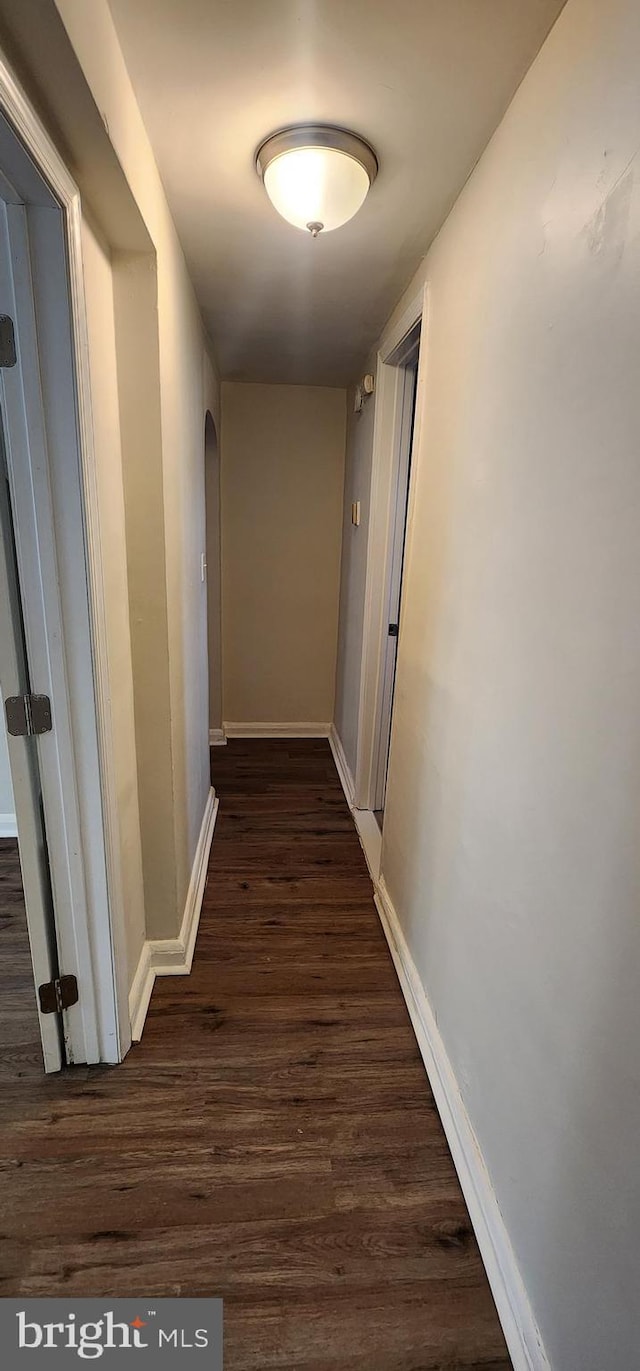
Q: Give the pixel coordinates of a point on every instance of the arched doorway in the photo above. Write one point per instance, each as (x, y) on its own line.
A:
(214, 577)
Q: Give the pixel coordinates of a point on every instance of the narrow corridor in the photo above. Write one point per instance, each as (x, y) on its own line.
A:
(273, 1139)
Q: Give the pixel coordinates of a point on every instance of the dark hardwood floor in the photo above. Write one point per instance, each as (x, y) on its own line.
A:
(273, 1139)
(21, 1051)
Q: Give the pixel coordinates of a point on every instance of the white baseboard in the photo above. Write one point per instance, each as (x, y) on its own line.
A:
(217, 737)
(370, 840)
(342, 765)
(8, 826)
(514, 1311)
(364, 819)
(518, 1324)
(260, 730)
(140, 992)
(173, 956)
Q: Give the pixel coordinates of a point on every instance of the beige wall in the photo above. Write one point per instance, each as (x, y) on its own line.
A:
(135, 291)
(108, 455)
(187, 388)
(152, 390)
(510, 845)
(282, 484)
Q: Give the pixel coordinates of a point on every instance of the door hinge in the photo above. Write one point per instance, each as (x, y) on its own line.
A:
(393, 630)
(58, 995)
(8, 354)
(28, 715)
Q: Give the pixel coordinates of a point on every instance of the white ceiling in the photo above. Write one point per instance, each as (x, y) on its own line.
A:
(425, 81)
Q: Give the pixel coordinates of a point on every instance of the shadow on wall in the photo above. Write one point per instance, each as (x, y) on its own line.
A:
(214, 592)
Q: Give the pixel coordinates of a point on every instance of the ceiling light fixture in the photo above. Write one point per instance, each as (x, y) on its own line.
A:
(316, 176)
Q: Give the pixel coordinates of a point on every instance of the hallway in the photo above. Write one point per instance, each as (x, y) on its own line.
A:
(273, 1139)
(319, 434)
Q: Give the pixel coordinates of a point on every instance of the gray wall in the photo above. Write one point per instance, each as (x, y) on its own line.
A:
(510, 847)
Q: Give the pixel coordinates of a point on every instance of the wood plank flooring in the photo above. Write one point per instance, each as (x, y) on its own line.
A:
(21, 1050)
(273, 1139)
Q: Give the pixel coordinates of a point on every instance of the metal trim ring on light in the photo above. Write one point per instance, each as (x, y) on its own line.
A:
(317, 136)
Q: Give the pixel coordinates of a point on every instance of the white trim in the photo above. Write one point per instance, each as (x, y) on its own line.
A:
(36, 877)
(140, 992)
(111, 974)
(8, 826)
(100, 921)
(342, 765)
(174, 956)
(217, 737)
(370, 836)
(394, 334)
(364, 819)
(514, 1311)
(260, 730)
(42, 496)
(389, 392)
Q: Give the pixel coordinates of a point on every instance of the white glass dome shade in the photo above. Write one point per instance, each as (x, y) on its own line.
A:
(316, 177)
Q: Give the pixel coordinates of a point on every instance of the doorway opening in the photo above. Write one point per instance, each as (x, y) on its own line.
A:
(406, 360)
(27, 920)
(214, 578)
(397, 392)
(53, 670)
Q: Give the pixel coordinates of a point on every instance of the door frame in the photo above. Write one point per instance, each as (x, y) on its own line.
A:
(64, 608)
(386, 460)
(405, 358)
(213, 576)
(24, 761)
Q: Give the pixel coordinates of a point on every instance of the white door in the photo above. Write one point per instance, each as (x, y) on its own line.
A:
(45, 399)
(25, 776)
(394, 595)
